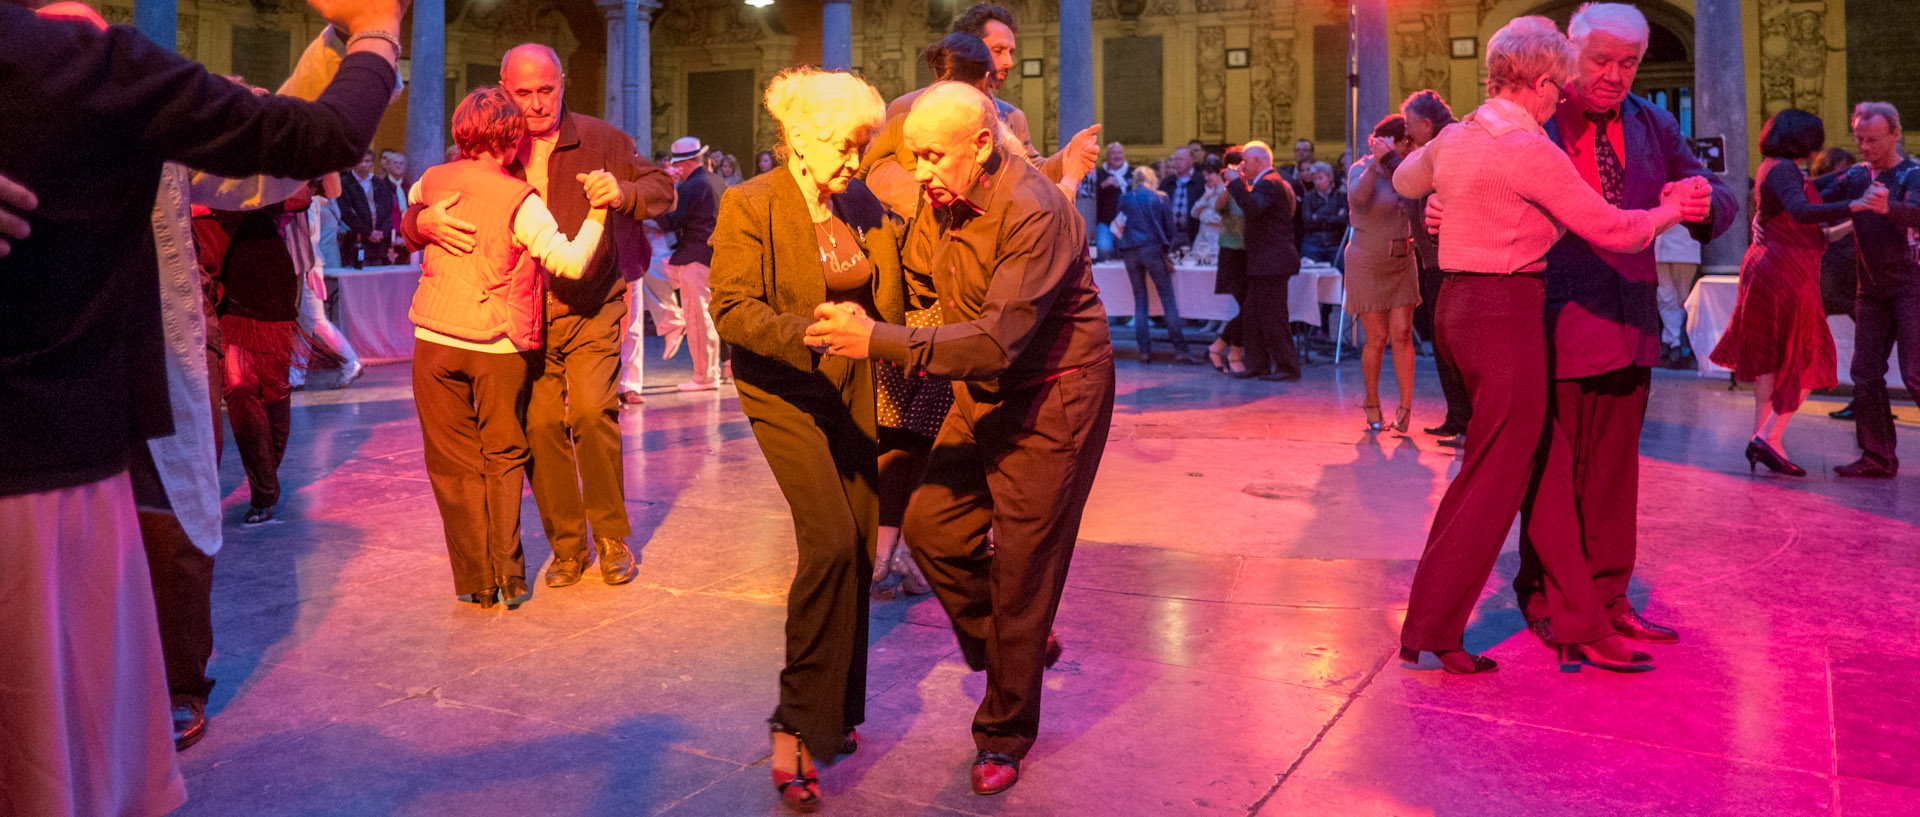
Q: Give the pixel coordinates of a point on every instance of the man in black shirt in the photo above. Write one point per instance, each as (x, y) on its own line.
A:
(1887, 311)
(1026, 332)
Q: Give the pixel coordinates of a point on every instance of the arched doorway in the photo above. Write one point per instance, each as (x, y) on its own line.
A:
(1666, 73)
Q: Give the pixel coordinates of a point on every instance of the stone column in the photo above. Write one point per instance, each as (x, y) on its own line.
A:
(427, 88)
(637, 93)
(1370, 73)
(1720, 109)
(615, 97)
(836, 35)
(159, 21)
(1076, 69)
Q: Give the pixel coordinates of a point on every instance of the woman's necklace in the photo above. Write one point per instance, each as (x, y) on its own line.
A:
(833, 244)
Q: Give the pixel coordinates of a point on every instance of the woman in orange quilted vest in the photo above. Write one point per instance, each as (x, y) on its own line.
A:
(477, 322)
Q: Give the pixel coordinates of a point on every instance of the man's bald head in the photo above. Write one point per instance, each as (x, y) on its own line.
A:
(533, 78)
(951, 131)
(951, 109)
(530, 51)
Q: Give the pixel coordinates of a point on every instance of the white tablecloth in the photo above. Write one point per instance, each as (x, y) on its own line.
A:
(1315, 285)
(1710, 310)
(373, 309)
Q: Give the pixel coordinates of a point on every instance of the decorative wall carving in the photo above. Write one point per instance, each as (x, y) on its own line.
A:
(1204, 6)
(1425, 58)
(1793, 55)
(1163, 8)
(187, 36)
(1276, 84)
(705, 22)
(1212, 56)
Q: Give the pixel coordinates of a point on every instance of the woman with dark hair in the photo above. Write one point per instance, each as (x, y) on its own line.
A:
(788, 241)
(1382, 280)
(1839, 280)
(763, 162)
(911, 406)
(1778, 337)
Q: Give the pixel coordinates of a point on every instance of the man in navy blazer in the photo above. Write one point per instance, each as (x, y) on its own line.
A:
(1602, 309)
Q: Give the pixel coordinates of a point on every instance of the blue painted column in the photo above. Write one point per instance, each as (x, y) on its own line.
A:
(1371, 100)
(159, 20)
(426, 88)
(1076, 67)
(836, 35)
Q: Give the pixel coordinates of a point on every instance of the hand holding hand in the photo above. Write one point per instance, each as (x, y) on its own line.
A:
(445, 231)
(603, 190)
(1379, 146)
(1109, 182)
(14, 200)
(1875, 198)
(840, 329)
(1435, 214)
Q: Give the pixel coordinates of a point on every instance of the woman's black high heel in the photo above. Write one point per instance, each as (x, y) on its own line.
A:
(1372, 413)
(1455, 662)
(1402, 416)
(1760, 453)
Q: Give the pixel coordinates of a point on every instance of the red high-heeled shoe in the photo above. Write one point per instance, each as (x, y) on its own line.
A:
(798, 790)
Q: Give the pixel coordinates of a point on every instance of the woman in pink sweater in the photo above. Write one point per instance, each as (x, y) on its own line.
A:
(1510, 193)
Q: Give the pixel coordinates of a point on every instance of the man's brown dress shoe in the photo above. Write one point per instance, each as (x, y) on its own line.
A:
(616, 561)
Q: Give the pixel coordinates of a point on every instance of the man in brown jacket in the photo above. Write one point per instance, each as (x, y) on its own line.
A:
(573, 418)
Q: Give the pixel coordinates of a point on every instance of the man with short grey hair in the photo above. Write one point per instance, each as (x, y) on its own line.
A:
(573, 415)
(1887, 306)
(1602, 309)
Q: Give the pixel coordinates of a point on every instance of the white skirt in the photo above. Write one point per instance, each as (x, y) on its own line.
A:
(83, 688)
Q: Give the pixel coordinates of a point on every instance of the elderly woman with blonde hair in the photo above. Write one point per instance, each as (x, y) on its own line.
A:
(1510, 194)
(788, 240)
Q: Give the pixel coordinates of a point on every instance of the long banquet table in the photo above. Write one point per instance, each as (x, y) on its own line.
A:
(373, 309)
(1193, 284)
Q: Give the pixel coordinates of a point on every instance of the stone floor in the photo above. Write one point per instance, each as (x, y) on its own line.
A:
(1230, 626)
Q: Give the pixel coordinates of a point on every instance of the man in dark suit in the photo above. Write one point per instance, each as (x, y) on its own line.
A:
(1602, 309)
(1183, 185)
(1272, 258)
(573, 416)
(366, 210)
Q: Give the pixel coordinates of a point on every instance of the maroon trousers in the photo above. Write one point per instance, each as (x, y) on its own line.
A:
(1493, 327)
(1597, 424)
(1020, 463)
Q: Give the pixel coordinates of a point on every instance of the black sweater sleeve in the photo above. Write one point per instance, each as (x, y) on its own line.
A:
(173, 107)
(1783, 188)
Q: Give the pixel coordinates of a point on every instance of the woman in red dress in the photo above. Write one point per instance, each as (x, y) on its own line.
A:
(1778, 337)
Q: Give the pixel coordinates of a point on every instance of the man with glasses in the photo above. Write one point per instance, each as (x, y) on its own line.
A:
(1603, 314)
(1887, 307)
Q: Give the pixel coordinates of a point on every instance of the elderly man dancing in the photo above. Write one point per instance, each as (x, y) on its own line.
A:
(1019, 450)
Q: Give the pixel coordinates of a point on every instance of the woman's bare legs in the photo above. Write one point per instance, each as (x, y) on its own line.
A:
(1400, 336)
(1373, 354)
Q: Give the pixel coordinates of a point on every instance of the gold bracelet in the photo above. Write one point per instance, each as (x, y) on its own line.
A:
(377, 35)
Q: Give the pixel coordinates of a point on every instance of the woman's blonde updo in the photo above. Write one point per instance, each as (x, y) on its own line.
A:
(824, 103)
